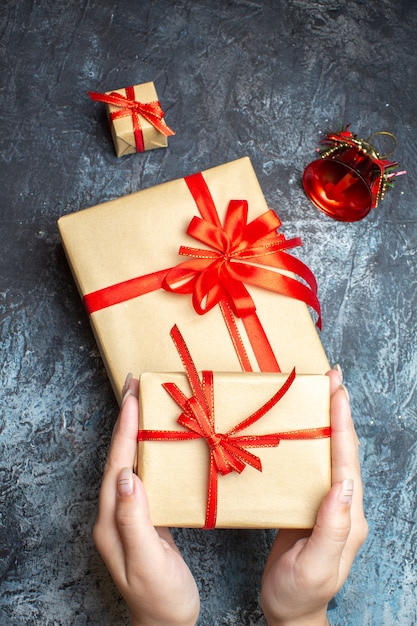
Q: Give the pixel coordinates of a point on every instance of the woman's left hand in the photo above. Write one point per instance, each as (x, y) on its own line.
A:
(143, 561)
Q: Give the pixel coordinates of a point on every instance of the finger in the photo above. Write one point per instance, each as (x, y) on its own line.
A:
(286, 538)
(336, 378)
(345, 465)
(344, 442)
(322, 552)
(141, 542)
(124, 440)
(122, 448)
(121, 453)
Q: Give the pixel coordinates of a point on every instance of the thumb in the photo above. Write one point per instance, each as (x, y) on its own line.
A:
(327, 541)
(139, 537)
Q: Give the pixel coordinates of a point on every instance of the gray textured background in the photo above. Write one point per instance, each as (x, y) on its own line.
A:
(236, 77)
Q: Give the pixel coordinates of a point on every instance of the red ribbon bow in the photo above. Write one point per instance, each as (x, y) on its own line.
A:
(228, 451)
(240, 253)
(150, 111)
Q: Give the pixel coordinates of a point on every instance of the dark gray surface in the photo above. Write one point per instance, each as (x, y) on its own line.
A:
(236, 78)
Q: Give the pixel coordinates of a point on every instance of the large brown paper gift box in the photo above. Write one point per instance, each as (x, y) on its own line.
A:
(122, 128)
(295, 475)
(140, 234)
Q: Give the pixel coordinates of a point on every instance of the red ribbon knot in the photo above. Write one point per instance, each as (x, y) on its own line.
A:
(227, 452)
(215, 440)
(241, 252)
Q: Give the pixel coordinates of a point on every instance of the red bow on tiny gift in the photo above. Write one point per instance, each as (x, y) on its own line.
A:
(228, 451)
(128, 106)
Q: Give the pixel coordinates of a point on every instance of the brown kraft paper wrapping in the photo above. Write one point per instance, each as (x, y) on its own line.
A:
(122, 129)
(295, 475)
(140, 234)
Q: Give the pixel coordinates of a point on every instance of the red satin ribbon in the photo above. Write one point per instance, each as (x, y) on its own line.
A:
(128, 106)
(228, 451)
(238, 252)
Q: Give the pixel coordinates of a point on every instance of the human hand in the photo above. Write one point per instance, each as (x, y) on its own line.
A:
(302, 572)
(143, 561)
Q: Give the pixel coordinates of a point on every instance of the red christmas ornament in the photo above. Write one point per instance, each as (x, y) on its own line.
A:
(350, 177)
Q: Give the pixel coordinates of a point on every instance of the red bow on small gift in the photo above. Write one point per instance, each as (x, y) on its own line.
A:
(127, 105)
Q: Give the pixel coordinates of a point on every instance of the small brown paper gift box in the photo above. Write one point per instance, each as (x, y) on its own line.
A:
(295, 474)
(136, 118)
(114, 245)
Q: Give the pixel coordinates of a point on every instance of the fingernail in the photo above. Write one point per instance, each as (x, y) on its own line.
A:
(339, 371)
(126, 391)
(343, 387)
(125, 482)
(126, 385)
(346, 491)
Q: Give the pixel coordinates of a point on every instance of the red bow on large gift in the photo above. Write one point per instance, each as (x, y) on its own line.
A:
(238, 252)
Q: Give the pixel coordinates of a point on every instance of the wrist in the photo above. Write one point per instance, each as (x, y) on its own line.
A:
(142, 622)
(302, 622)
(319, 619)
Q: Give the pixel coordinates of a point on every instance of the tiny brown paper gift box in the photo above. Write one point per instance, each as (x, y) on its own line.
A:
(295, 475)
(140, 234)
(122, 128)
